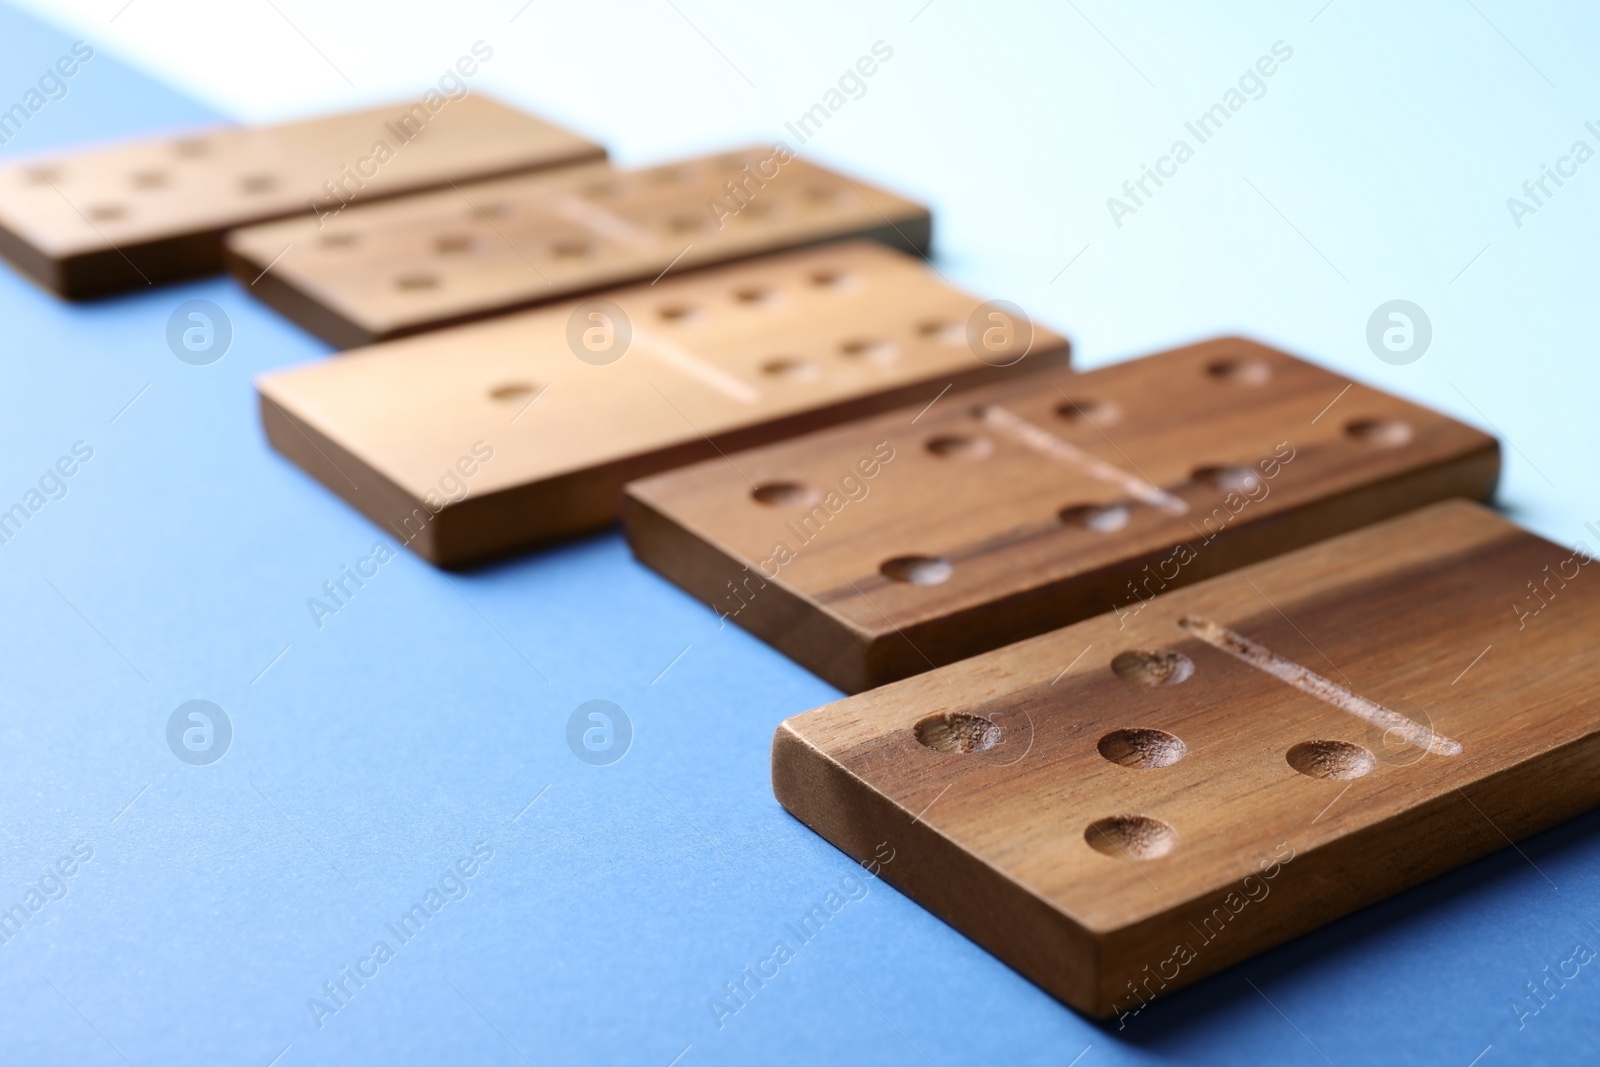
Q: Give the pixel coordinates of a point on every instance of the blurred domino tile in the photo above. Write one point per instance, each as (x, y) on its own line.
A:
(479, 440)
(101, 220)
(380, 272)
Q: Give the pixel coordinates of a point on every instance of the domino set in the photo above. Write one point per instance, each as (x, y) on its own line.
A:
(1155, 666)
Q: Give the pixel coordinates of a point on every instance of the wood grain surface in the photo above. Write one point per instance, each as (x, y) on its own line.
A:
(102, 220)
(475, 441)
(1125, 805)
(381, 272)
(1028, 505)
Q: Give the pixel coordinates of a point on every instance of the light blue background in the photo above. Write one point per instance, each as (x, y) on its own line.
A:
(427, 714)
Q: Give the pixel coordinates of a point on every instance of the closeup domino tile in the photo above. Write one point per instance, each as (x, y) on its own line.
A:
(1120, 807)
(449, 441)
(388, 270)
(882, 548)
(101, 220)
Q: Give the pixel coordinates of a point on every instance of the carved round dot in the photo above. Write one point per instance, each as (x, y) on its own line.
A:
(1383, 433)
(943, 331)
(452, 244)
(1096, 518)
(957, 733)
(258, 183)
(756, 295)
(668, 176)
(191, 148)
(1160, 666)
(678, 313)
(917, 570)
(871, 350)
(1143, 748)
(1239, 371)
(789, 369)
(513, 390)
(338, 240)
(831, 279)
(107, 212)
(416, 282)
(686, 223)
(1229, 479)
(960, 446)
(785, 494)
(1138, 837)
(824, 194)
(1331, 759)
(150, 179)
(764, 209)
(571, 248)
(1084, 411)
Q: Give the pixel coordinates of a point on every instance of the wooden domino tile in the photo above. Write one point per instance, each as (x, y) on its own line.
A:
(102, 220)
(381, 272)
(1120, 807)
(476, 441)
(883, 548)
